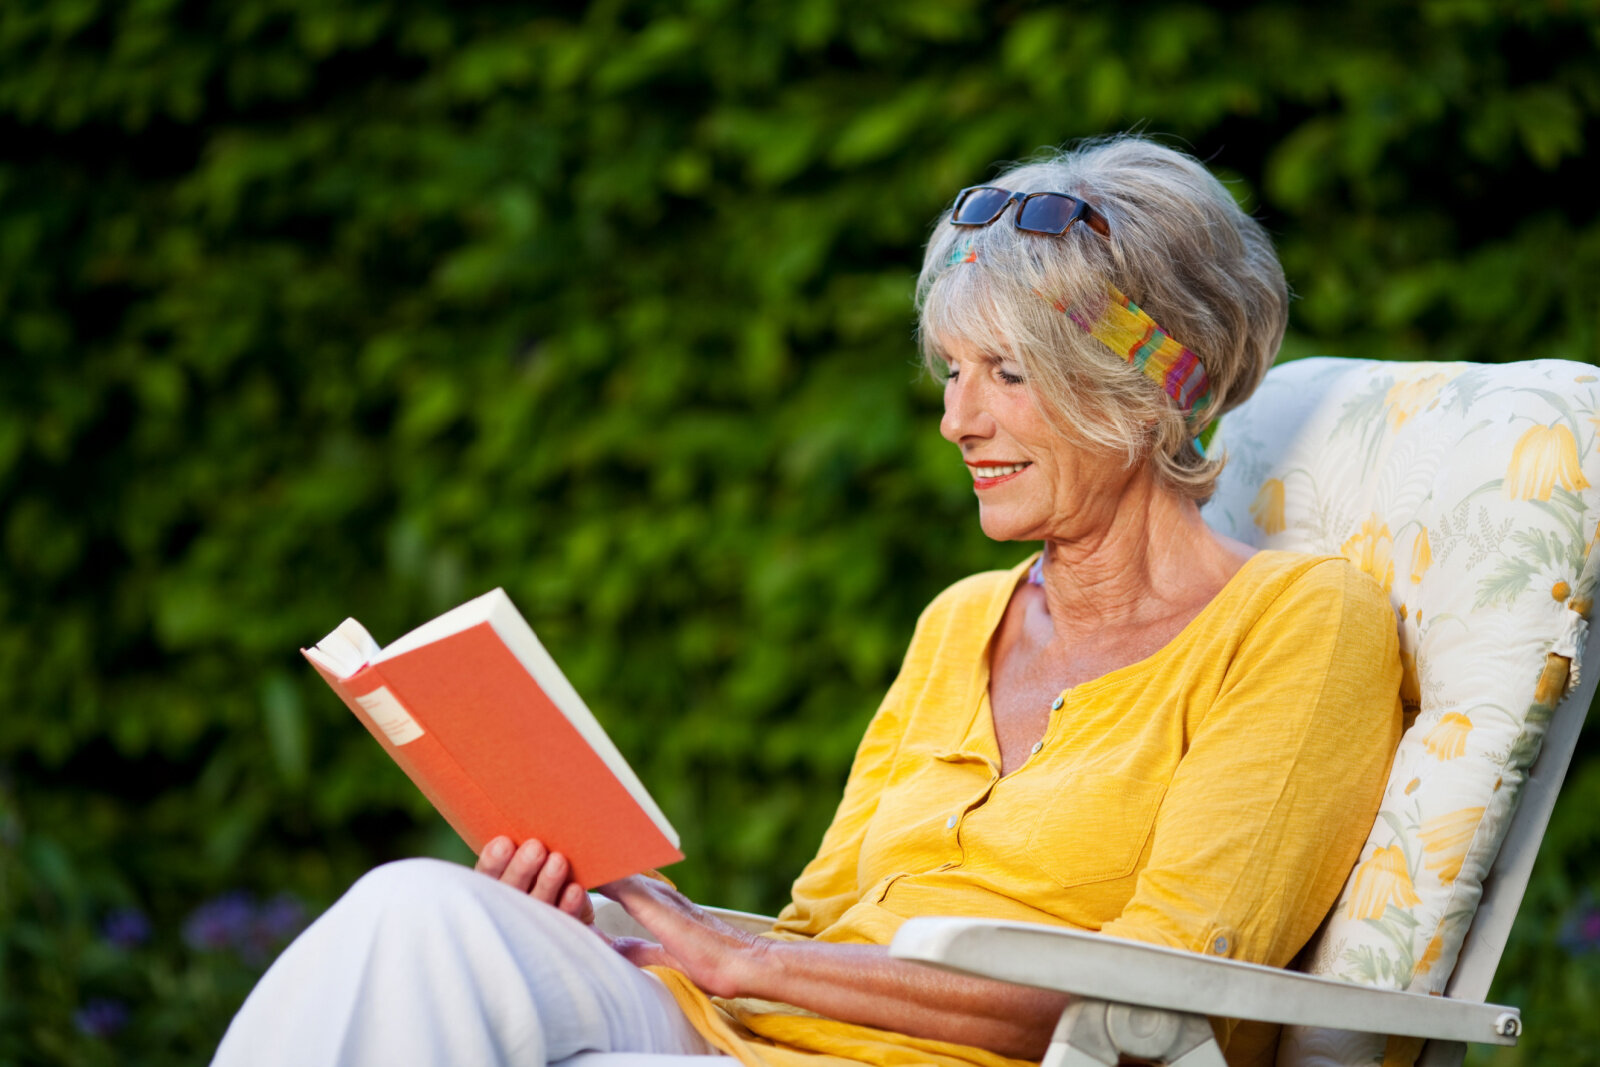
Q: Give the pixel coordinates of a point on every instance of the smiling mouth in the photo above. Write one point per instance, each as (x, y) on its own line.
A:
(986, 475)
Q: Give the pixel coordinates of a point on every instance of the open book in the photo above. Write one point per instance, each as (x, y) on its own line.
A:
(479, 716)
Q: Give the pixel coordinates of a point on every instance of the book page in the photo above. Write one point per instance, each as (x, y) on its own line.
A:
(453, 621)
(345, 651)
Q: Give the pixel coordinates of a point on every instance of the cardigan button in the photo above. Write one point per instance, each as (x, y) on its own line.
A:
(950, 824)
(1056, 705)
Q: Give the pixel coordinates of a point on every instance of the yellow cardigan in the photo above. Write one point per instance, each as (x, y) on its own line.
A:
(1212, 797)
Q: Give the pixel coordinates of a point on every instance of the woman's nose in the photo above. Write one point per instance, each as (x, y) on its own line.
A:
(964, 413)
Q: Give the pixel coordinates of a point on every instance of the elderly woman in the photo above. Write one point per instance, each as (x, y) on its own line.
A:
(1147, 729)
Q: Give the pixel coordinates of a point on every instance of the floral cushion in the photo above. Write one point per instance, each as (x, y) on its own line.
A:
(1471, 493)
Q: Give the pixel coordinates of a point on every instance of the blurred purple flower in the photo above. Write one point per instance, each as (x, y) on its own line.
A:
(1580, 932)
(222, 922)
(235, 921)
(126, 928)
(100, 1017)
(281, 917)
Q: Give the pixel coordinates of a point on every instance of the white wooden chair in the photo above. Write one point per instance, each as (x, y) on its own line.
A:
(1472, 493)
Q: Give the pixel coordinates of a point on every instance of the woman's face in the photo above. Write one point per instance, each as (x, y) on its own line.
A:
(1032, 481)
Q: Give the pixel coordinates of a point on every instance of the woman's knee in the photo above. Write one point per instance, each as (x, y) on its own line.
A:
(421, 890)
(437, 896)
(411, 880)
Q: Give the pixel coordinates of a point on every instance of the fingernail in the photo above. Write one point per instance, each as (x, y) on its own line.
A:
(499, 847)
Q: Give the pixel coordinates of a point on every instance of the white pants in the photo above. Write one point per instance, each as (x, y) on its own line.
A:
(425, 962)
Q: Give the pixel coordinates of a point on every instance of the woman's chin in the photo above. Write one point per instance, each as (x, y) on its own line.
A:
(998, 526)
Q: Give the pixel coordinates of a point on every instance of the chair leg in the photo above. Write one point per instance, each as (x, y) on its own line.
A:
(1096, 1033)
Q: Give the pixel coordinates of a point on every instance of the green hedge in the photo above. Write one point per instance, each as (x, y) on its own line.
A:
(316, 309)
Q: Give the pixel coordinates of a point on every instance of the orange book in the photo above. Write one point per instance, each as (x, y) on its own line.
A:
(479, 716)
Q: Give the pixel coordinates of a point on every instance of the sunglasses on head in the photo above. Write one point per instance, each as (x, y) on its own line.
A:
(1048, 213)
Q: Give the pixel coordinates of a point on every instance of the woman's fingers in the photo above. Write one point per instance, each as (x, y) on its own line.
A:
(525, 866)
(552, 883)
(576, 903)
(494, 857)
(551, 879)
(533, 869)
(716, 957)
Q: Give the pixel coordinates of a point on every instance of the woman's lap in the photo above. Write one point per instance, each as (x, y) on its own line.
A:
(428, 962)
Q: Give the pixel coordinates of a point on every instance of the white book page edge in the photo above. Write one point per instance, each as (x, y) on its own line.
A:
(496, 608)
(345, 651)
(457, 619)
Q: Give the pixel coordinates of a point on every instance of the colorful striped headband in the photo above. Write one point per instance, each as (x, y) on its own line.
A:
(1124, 328)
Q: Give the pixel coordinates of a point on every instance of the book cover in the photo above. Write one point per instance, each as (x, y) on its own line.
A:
(482, 720)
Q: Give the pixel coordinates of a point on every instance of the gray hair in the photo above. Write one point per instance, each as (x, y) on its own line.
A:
(1180, 248)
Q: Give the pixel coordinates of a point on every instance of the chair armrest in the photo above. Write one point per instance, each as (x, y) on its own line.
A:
(610, 917)
(1131, 972)
(747, 921)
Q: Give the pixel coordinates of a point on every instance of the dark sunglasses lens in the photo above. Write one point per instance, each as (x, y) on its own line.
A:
(1048, 213)
(981, 206)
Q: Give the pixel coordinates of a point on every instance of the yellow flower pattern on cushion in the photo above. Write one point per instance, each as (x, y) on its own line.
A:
(1430, 955)
(1381, 881)
(1267, 510)
(1445, 839)
(1552, 680)
(1448, 738)
(1406, 398)
(1421, 556)
(1544, 457)
(1372, 549)
(1468, 493)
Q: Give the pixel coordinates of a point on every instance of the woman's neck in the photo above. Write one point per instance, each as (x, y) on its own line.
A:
(1150, 556)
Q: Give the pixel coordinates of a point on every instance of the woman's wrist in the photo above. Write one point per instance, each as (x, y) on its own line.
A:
(753, 969)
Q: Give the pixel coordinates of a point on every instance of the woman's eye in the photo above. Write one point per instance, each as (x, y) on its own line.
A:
(948, 373)
(1011, 377)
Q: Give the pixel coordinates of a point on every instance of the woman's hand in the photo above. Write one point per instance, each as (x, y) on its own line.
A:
(719, 958)
(854, 983)
(538, 872)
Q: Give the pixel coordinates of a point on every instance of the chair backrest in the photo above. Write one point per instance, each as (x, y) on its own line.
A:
(1472, 494)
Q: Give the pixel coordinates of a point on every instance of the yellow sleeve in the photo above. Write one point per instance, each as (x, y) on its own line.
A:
(1277, 792)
